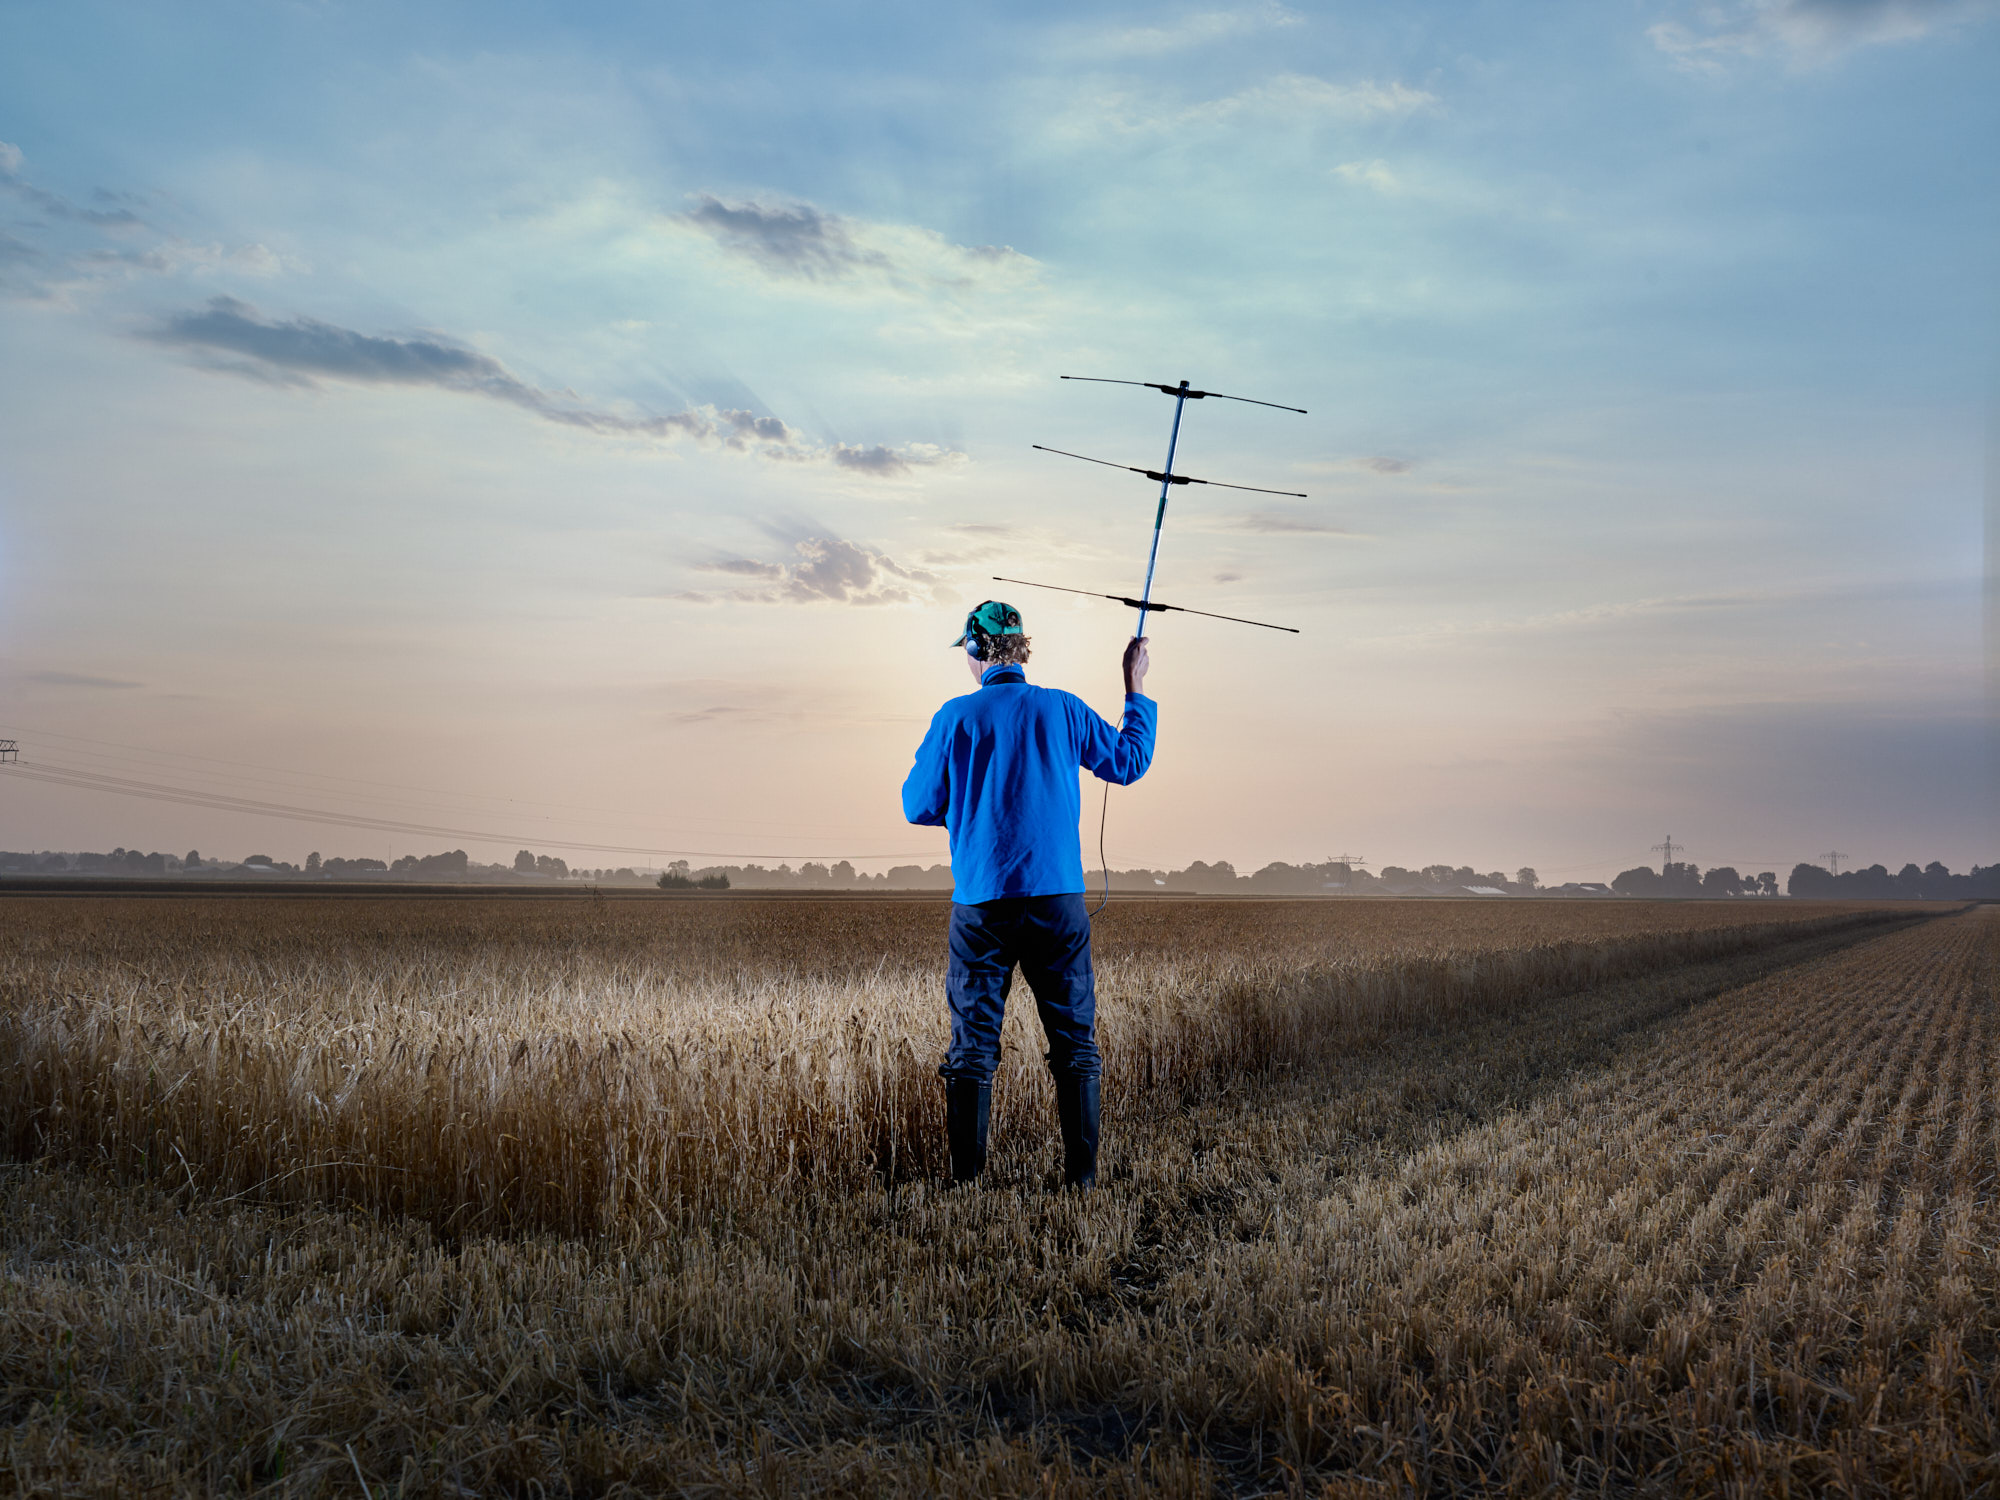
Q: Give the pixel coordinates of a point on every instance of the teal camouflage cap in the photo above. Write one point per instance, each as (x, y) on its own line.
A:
(991, 618)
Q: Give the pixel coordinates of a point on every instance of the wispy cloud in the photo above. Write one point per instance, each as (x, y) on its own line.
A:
(54, 204)
(1590, 616)
(715, 700)
(1388, 464)
(1374, 175)
(792, 239)
(822, 570)
(1804, 32)
(1200, 28)
(68, 246)
(78, 680)
(1288, 99)
(1281, 103)
(798, 241)
(1300, 95)
(15, 249)
(234, 338)
(877, 461)
(1276, 523)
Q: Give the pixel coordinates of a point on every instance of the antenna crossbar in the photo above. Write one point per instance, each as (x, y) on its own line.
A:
(1150, 605)
(1159, 478)
(1182, 393)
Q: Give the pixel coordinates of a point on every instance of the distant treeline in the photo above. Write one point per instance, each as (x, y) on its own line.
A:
(1932, 882)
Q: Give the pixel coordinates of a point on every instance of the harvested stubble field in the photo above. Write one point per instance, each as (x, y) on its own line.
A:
(592, 1198)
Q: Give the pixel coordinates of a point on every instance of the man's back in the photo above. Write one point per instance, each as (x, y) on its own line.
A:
(999, 768)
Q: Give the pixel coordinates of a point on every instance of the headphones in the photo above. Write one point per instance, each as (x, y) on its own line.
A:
(976, 638)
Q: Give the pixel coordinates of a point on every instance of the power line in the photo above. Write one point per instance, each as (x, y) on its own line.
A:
(148, 756)
(93, 781)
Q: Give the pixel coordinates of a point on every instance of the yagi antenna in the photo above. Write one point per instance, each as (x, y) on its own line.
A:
(1182, 394)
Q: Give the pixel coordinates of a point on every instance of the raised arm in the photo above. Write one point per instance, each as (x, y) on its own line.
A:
(1122, 755)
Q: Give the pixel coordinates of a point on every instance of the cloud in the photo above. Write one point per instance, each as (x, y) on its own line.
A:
(1273, 523)
(1200, 28)
(305, 346)
(823, 570)
(1372, 463)
(881, 462)
(1300, 96)
(54, 204)
(715, 711)
(1369, 174)
(715, 700)
(792, 239)
(13, 248)
(78, 680)
(932, 558)
(234, 338)
(1626, 609)
(1805, 32)
(797, 241)
(68, 246)
(743, 567)
(1587, 616)
(1289, 99)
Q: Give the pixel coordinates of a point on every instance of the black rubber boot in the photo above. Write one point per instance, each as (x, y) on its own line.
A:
(966, 1107)
(1076, 1110)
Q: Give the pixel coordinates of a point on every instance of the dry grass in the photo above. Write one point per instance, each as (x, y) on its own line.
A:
(1720, 1217)
(567, 1067)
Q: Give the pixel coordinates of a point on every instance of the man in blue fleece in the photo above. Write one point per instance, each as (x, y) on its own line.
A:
(998, 768)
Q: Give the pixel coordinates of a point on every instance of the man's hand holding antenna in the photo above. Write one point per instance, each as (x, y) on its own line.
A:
(1136, 663)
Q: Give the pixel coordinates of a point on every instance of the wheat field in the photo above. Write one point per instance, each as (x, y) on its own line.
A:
(595, 1198)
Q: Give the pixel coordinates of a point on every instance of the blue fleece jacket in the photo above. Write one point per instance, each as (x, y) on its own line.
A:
(998, 769)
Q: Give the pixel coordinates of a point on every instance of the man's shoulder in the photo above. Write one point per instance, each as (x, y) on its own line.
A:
(1008, 700)
(1046, 699)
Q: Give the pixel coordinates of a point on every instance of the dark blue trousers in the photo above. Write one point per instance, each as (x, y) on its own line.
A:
(1049, 937)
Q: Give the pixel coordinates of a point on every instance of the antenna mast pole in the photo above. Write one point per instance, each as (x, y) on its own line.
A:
(1160, 516)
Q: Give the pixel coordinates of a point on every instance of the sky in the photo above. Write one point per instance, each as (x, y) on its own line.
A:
(586, 426)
